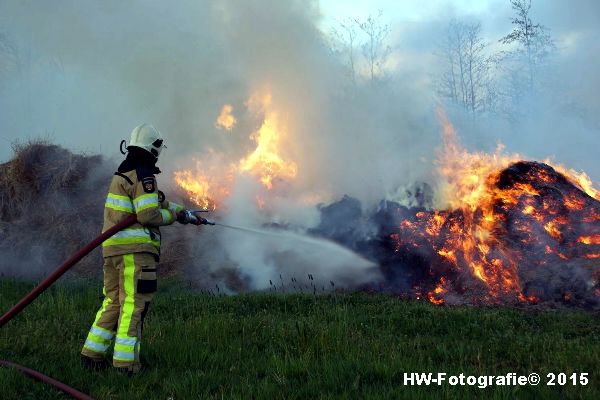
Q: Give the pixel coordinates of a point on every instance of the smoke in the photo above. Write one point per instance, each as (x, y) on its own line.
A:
(85, 73)
(561, 120)
(110, 66)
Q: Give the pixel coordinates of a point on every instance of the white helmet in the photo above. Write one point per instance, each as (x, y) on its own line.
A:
(148, 138)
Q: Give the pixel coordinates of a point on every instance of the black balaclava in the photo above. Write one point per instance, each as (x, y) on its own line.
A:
(139, 158)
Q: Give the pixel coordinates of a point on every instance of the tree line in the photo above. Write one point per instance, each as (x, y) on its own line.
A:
(479, 76)
(481, 80)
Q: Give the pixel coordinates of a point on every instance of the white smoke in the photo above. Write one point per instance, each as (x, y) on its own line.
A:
(95, 70)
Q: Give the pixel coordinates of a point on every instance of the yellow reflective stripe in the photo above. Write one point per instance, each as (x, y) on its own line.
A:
(101, 329)
(167, 216)
(95, 346)
(119, 197)
(145, 201)
(129, 301)
(98, 339)
(119, 203)
(175, 207)
(102, 333)
(124, 241)
(118, 208)
(133, 232)
(123, 355)
(125, 348)
(132, 236)
(102, 309)
(128, 341)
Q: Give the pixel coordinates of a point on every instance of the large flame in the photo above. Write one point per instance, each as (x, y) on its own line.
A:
(265, 161)
(465, 174)
(467, 233)
(209, 183)
(465, 178)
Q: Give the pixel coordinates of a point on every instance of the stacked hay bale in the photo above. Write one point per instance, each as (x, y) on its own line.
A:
(51, 204)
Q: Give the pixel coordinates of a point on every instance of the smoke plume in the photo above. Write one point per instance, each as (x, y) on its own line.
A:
(85, 73)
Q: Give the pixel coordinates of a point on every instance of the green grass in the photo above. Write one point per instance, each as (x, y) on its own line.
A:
(297, 346)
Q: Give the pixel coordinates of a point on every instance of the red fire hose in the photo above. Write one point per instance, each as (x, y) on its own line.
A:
(64, 268)
(43, 286)
(76, 394)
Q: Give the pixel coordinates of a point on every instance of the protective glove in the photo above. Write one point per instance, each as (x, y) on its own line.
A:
(202, 221)
(187, 217)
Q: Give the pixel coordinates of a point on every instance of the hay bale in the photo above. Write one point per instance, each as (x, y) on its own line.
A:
(50, 206)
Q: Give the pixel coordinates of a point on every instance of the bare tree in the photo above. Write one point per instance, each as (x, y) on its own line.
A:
(374, 48)
(534, 42)
(466, 78)
(345, 43)
(370, 36)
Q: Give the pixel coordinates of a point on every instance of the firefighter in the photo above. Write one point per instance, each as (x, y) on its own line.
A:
(131, 255)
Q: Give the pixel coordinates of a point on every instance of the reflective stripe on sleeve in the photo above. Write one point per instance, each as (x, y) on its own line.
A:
(119, 203)
(145, 201)
(175, 207)
(167, 216)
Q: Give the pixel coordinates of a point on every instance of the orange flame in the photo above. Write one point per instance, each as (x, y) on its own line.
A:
(210, 182)
(591, 239)
(226, 120)
(265, 161)
(435, 295)
(466, 186)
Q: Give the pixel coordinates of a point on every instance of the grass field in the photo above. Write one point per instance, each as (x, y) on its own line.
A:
(298, 346)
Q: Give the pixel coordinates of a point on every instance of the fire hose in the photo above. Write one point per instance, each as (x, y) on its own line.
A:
(64, 268)
(76, 394)
(42, 287)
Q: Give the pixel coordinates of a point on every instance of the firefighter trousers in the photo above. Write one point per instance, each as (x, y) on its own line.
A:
(129, 285)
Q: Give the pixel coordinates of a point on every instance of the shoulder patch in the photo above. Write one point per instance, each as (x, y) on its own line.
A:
(149, 184)
(161, 197)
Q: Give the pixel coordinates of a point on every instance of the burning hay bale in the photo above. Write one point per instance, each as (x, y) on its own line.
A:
(535, 238)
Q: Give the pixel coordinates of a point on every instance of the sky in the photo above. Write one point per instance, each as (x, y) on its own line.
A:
(560, 15)
(406, 10)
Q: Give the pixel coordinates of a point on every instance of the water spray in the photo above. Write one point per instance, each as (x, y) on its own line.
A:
(303, 238)
(237, 228)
